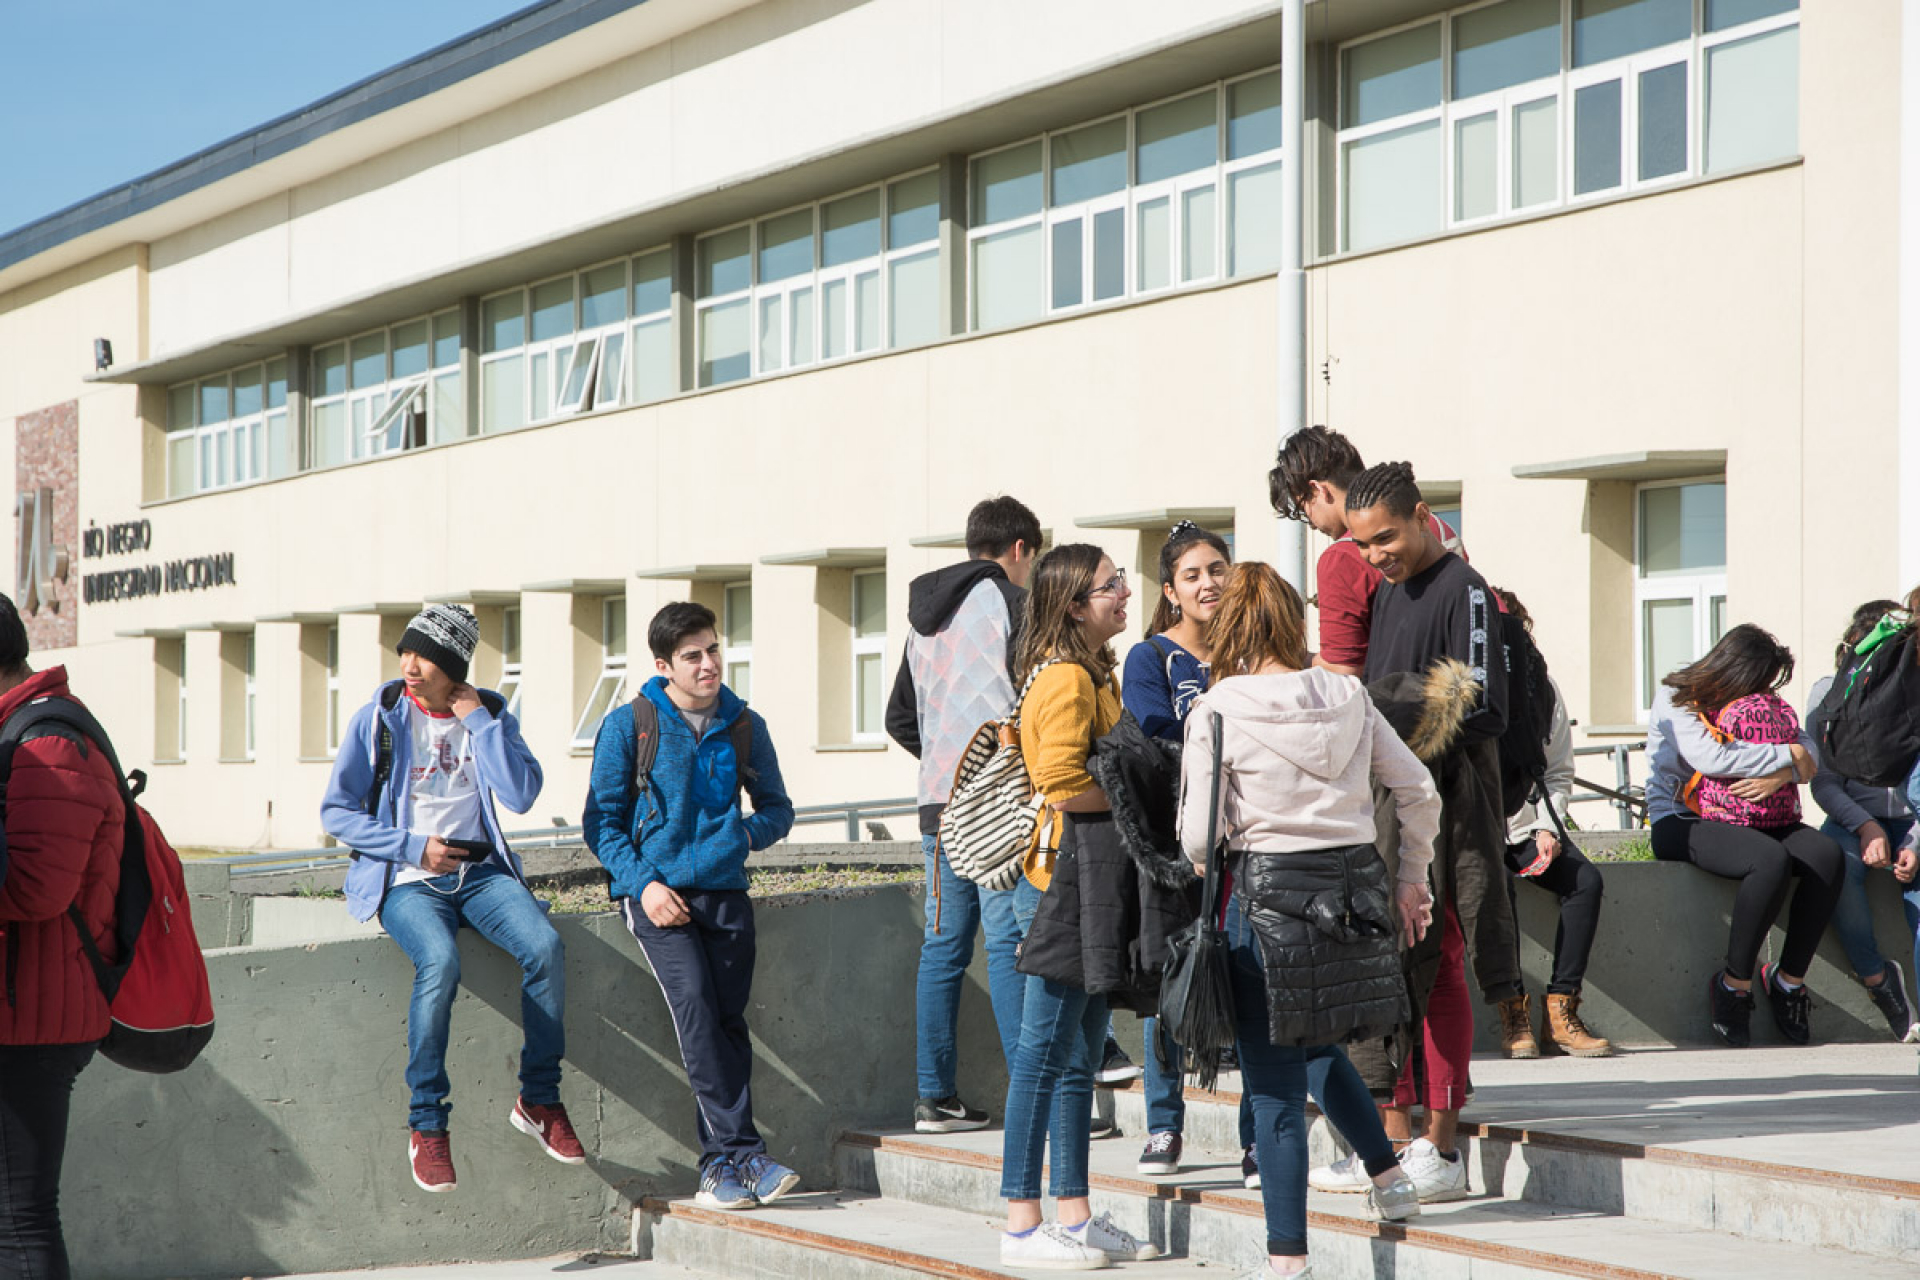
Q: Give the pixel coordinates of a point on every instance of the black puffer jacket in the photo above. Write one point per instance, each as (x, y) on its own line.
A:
(1327, 943)
(1121, 887)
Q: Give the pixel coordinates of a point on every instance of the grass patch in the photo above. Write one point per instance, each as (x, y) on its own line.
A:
(587, 898)
(1639, 850)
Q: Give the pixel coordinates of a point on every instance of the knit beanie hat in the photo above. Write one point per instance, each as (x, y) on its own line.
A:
(445, 635)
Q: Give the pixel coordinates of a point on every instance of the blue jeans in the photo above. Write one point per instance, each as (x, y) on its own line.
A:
(955, 908)
(1167, 1103)
(423, 917)
(1275, 1077)
(1852, 916)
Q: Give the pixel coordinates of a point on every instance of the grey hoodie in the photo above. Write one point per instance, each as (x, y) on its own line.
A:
(1300, 754)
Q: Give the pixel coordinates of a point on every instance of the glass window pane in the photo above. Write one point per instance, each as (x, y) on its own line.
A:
(1176, 138)
(1391, 76)
(180, 451)
(1476, 160)
(1668, 641)
(603, 296)
(1089, 162)
(1109, 253)
(246, 392)
(446, 339)
(1753, 100)
(870, 604)
(725, 334)
(1536, 152)
(449, 411)
(276, 383)
(1716, 618)
(552, 309)
(329, 434)
(1663, 121)
(722, 262)
(654, 377)
(1069, 286)
(573, 390)
(614, 628)
(256, 451)
(786, 246)
(739, 615)
(866, 311)
(180, 407)
(503, 322)
(913, 210)
(1504, 45)
(1393, 186)
(913, 298)
(410, 349)
(1722, 14)
(503, 392)
(834, 320)
(740, 679)
(800, 326)
(612, 374)
(1197, 233)
(652, 282)
(1596, 137)
(1006, 278)
(1253, 220)
(1683, 529)
(850, 229)
(369, 360)
(867, 667)
(540, 382)
(279, 446)
(1006, 184)
(510, 636)
(606, 696)
(1153, 239)
(215, 406)
(771, 344)
(1604, 29)
(1253, 116)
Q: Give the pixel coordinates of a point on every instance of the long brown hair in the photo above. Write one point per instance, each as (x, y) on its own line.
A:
(1261, 619)
(1746, 660)
(1184, 538)
(1061, 579)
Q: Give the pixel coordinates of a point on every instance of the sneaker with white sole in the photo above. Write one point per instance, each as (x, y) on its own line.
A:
(550, 1127)
(1435, 1177)
(1395, 1202)
(1344, 1176)
(430, 1158)
(1115, 1066)
(946, 1115)
(766, 1177)
(1161, 1156)
(1049, 1247)
(721, 1187)
(1120, 1246)
(1250, 1169)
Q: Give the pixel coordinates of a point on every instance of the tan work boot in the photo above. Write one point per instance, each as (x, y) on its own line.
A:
(1569, 1034)
(1516, 1029)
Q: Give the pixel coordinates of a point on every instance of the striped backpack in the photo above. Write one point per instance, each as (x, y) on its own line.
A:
(992, 813)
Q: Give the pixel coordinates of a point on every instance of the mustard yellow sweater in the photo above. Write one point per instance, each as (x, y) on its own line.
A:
(1062, 715)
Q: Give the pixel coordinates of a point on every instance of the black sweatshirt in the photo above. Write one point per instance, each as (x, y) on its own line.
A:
(1445, 611)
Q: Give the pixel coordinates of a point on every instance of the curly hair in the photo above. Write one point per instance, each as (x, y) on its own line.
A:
(1310, 454)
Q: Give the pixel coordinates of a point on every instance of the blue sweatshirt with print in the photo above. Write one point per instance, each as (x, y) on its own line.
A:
(1159, 684)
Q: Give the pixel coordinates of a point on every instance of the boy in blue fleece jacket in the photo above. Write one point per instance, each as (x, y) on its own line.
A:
(677, 855)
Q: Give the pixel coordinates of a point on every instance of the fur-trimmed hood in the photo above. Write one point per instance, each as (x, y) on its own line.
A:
(1141, 778)
(1428, 711)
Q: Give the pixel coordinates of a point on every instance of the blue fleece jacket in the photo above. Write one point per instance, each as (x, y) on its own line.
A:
(688, 831)
(507, 773)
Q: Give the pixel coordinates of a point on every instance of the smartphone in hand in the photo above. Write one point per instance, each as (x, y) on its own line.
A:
(469, 850)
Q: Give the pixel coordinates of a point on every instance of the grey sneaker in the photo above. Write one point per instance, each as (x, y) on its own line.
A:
(1343, 1175)
(1395, 1202)
(1101, 1233)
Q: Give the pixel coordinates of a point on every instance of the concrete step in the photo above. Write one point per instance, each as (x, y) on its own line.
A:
(1204, 1213)
(1847, 1180)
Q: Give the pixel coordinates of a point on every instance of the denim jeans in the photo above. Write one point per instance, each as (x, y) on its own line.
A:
(956, 907)
(1852, 916)
(1167, 1102)
(423, 917)
(1275, 1077)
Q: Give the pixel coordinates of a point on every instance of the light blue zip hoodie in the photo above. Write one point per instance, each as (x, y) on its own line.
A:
(507, 773)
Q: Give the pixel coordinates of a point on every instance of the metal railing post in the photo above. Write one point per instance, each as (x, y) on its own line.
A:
(1622, 776)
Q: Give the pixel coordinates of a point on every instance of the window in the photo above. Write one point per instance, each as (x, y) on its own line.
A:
(592, 340)
(1176, 193)
(650, 341)
(850, 275)
(510, 658)
(869, 646)
(252, 692)
(180, 740)
(607, 689)
(170, 698)
(1516, 105)
(1680, 576)
(389, 390)
(334, 725)
(736, 623)
(229, 429)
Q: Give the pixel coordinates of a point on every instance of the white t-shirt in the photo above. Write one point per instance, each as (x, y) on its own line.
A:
(443, 790)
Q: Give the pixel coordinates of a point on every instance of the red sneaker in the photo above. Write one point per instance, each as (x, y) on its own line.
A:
(430, 1152)
(549, 1127)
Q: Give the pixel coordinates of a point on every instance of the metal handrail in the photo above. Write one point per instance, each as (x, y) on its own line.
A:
(1629, 801)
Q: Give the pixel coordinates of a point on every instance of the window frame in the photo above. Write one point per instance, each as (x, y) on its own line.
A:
(868, 646)
(372, 413)
(512, 671)
(612, 677)
(252, 692)
(735, 655)
(240, 444)
(1699, 588)
(334, 725)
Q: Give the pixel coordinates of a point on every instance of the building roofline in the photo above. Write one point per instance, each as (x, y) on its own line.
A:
(459, 59)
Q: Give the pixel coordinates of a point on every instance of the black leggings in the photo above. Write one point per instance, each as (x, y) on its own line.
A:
(1766, 863)
(1576, 882)
(36, 1087)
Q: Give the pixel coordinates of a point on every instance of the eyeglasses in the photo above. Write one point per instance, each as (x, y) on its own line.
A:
(1112, 586)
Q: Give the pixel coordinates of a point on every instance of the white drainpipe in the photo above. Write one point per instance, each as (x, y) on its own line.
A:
(1291, 552)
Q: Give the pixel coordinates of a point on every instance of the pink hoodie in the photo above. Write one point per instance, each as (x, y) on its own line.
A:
(1301, 754)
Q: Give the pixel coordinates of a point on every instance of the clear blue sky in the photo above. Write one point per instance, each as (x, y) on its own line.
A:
(95, 93)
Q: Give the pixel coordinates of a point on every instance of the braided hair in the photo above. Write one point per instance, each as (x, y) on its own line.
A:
(1310, 454)
(1389, 484)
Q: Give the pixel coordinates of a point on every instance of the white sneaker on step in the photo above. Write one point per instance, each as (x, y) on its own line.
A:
(1049, 1247)
(1101, 1233)
(1342, 1175)
(1434, 1176)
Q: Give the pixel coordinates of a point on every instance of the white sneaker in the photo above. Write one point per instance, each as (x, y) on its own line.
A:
(1434, 1176)
(1050, 1247)
(1343, 1175)
(1101, 1233)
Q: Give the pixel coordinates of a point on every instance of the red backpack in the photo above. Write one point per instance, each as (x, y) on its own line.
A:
(157, 992)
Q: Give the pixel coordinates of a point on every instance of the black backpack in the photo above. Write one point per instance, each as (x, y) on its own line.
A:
(1868, 725)
(646, 748)
(1523, 744)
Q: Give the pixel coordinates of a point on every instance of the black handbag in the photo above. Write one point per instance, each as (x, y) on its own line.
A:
(1196, 984)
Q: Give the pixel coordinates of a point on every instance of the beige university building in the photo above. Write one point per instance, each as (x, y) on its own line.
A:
(622, 301)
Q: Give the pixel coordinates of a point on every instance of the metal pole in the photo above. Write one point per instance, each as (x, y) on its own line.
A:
(1622, 778)
(1291, 550)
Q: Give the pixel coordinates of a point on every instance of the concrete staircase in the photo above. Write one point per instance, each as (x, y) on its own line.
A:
(1659, 1199)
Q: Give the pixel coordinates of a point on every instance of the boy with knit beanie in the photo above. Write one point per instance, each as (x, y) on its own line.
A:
(413, 792)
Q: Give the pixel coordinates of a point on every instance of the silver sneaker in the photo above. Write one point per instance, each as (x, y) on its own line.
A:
(1101, 1233)
(1395, 1202)
(1344, 1176)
